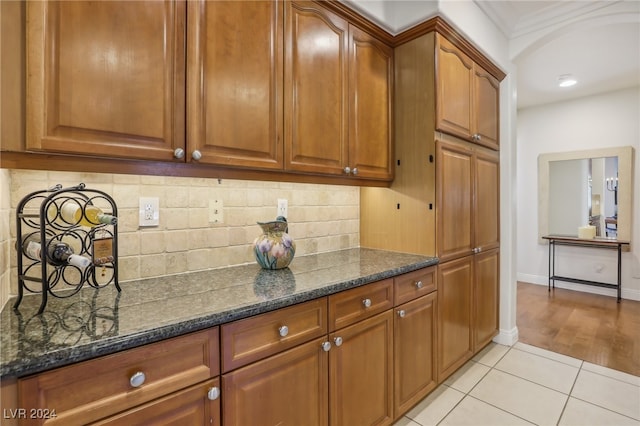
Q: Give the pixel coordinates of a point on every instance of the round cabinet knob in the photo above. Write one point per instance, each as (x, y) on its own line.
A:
(214, 393)
(366, 303)
(478, 137)
(137, 379)
(196, 155)
(401, 313)
(337, 341)
(284, 330)
(419, 284)
(347, 170)
(354, 171)
(178, 153)
(326, 346)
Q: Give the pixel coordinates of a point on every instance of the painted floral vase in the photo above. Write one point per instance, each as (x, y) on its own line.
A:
(274, 249)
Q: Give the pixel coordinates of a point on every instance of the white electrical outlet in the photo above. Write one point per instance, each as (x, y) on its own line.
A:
(216, 211)
(149, 211)
(283, 207)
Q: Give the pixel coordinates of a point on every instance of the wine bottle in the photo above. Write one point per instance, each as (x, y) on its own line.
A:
(58, 252)
(72, 213)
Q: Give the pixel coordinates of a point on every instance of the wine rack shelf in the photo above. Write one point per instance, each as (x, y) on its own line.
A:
(67, 238)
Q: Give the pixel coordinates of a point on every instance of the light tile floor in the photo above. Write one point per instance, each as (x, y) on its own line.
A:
(525, 385)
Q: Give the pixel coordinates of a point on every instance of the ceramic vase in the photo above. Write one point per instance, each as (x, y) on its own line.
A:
(274, 249)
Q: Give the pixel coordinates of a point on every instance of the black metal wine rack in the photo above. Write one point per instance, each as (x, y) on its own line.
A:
(40, 213)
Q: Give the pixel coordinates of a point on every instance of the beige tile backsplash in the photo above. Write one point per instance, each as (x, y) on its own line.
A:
(321, 218)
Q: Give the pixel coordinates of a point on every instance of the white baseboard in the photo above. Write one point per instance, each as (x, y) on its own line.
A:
(629, 294)
(507, 337)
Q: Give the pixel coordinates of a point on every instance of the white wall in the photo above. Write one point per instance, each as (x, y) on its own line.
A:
(603, 121)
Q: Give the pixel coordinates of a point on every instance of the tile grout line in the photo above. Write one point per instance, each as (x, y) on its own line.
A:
(502, 409)
(468, 394)
(598, 405)
(612, 378)
(605, 408)
(564, 407)
(527, 380)
(550, 358)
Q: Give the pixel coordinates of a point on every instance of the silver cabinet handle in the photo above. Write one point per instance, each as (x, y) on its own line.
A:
(214, 393)
(401, 313)
(196, 155)
(347, 170)
(478, 137)
(366, 303)
(137, 379)
(326, 346)
(354, 171)
(419, 284)
(337, 341)
(284, 330)
(178, 153)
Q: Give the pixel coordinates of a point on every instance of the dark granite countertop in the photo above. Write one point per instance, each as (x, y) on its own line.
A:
(97, 322)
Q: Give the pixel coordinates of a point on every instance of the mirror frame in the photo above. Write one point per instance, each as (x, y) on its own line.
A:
(625, 180)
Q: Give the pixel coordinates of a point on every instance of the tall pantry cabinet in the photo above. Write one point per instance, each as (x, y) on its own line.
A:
(444, 200)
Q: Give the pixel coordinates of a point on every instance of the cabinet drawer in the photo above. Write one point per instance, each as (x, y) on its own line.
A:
(191, 406)
(414, 284)
(92, 390)
(354, 305)
(254, 338)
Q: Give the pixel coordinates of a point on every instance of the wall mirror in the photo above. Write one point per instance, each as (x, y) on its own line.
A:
(591, 187)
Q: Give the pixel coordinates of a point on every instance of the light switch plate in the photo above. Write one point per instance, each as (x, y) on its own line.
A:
(149, 211)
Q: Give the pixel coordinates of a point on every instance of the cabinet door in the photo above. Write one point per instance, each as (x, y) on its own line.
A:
(290, 388)
(192, 406)
(414, 334)
(106, 78)
(316, 108)
(486, 297)
(454, 212)
(234, 83)
(486, 90)
(454, 72)
(455, 306)
(360, 373)
(487, 200)
(370, 118)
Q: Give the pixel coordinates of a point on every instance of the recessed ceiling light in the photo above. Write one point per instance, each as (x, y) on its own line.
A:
(566, 80)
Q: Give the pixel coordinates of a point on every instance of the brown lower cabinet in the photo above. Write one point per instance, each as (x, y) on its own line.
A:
(290, 388)
(361, 373)
(468, 303)
(414, 336)
(455, 286)
(364, 356)
(192, 406)
(130, 383)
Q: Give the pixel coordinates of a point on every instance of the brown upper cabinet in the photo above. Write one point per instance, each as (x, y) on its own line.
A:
(234, 83)
(263, 85)
(106, 78)
(467, 99)
(338, 90)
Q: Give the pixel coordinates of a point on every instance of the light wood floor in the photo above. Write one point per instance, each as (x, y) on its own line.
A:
(586, 326)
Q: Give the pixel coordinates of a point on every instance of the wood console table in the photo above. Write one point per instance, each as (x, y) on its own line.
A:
(605, 243)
